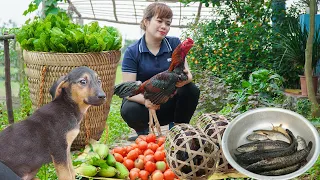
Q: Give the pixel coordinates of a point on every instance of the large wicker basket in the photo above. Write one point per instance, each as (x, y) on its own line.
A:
(43, 69)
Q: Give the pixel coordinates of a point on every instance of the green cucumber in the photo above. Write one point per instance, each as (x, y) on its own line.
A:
(123, 171)
(111, 161)
(107, 171)
(86, 170)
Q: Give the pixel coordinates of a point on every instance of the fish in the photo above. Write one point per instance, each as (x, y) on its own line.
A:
(262, 145)
(280, 129)
(280, 162)
(301, 143)
(273, 135)
(282, 171)
(255, 156)
(257, 137)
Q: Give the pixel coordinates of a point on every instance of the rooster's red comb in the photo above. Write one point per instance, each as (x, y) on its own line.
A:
(188, 41)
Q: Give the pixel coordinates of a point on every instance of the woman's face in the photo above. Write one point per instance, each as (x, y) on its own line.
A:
(157, 28)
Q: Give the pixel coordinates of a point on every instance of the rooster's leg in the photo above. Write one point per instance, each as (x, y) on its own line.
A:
(151, 125)
(156, 121)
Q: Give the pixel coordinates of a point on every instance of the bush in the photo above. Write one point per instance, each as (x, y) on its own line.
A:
(214, 91)
(237, 43)
(263, 88)
(241, 40)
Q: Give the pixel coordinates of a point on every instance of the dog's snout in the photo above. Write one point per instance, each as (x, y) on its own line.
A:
(101, 95)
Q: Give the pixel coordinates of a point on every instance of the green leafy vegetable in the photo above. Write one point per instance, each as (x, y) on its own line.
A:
(57, 33)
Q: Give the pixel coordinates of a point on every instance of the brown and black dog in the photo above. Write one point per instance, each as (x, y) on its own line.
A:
(48, 133)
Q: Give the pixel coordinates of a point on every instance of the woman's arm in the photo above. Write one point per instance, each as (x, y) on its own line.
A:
(188, 72)
(132, 77)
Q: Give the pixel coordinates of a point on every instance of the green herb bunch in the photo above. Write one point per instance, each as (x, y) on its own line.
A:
(57, 33)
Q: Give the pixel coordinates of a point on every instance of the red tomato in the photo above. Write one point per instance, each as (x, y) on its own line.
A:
(143, 137)
(138, 140)
(135, 169)
(144, 175)
(162, 147)
(150, 166)
(118, 157)
(120, 150)
(159, 155)
(138, 163)
(134, 145)
(169, 175)
(151, 138)
(129, 164)
(142, 145)
(133, 154)
(153, 146)
(134, 175)
(157, 175)
(129, 148)
(125, 158)
(138, 151)
(161, 140)
(147, 152)
(141, 156)
(148, 158)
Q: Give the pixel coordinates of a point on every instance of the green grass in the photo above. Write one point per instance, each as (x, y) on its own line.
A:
(14, 88)
(117, 128)
(14, 85)
(118, 75)
(13, 70)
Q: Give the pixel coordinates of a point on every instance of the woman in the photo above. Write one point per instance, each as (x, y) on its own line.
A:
(149, 56)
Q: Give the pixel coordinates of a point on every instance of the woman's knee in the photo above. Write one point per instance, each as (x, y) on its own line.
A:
(129, 110)
(190, 90)
(134, 114)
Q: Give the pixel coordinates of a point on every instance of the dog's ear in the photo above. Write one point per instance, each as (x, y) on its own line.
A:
(56, 88)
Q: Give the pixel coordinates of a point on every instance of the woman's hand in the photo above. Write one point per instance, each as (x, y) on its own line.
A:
(150, 105)
(182, 83)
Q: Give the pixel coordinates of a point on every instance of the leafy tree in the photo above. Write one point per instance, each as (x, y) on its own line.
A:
(50, 6)
(241, 39)
(238, 42)
(308, 63)
(127, 43)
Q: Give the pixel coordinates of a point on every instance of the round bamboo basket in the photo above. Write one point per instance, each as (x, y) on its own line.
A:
(214, 125)
(189, 153)
(44, 68)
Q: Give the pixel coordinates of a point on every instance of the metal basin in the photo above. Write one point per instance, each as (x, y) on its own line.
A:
(263, 118)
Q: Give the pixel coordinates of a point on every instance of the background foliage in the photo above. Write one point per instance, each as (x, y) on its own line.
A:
(241, 40)
(237, 43)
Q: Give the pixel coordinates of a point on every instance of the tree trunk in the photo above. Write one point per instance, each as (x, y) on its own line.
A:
(8, 79)
(308, 62)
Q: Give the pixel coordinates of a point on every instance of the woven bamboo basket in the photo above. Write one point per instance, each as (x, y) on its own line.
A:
(43, 69)
(189, 153)
(213, 125)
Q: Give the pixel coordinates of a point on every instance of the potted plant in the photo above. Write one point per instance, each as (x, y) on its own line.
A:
(55, 45)
(293, 42)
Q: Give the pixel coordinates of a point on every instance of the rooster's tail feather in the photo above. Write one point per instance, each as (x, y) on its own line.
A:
(127, 89)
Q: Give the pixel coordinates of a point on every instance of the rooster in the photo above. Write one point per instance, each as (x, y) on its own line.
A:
(160, 87)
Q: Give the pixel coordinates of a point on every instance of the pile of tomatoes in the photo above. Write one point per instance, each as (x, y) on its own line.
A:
(145, 159)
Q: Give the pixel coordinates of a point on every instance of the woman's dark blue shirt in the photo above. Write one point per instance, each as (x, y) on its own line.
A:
(138, 59)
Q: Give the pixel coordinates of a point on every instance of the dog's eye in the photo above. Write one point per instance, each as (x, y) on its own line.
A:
(99, 81)
(83, 81)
